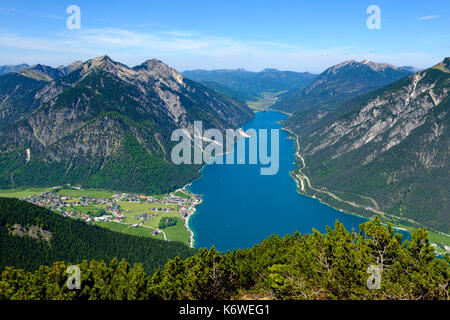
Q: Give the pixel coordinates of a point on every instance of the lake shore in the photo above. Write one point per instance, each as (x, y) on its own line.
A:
(303, 183)
(192, 208)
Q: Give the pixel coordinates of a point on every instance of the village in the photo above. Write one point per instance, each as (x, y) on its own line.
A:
(117, 208)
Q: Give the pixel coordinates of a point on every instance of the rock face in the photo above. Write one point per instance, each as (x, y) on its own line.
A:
(34, 232)
(391, 146)
(16, 96)
(339, 83)
(107, 125)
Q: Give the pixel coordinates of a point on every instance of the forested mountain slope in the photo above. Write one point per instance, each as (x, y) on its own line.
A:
(387, 150)
(31, 236)
(253, 83)
(106, 125)
(340, 83)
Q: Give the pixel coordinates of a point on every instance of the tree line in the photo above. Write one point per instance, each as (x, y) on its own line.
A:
(333, 265)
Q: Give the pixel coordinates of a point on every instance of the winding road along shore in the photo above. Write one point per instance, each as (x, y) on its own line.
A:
(303, 182)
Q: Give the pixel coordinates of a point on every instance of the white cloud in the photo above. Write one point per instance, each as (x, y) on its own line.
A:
(428, 17)
(182, 50)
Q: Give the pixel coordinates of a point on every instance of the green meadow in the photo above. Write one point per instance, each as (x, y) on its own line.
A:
(22, 193)
(77, 193)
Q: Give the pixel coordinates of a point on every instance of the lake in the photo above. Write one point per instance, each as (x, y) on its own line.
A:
(241, 207)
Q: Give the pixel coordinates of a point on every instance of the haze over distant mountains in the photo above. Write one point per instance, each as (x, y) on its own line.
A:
(253, 83)
(40, 71)
(102, 124)
(12, 68)
(387, 150)
(339, 83)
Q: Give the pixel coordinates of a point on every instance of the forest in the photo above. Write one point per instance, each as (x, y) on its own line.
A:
(333, 265)
(73, 241)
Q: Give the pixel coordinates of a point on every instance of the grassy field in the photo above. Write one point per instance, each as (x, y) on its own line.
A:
(178, 232)
(124, 228)
(22, 193)
(93, 209)
(182, 194)
(174, 233)
(76, 193)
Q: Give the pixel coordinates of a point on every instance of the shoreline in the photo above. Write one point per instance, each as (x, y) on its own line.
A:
(192, 208)
(301, 186)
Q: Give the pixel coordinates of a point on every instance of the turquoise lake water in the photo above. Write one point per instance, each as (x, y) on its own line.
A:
(241, 207)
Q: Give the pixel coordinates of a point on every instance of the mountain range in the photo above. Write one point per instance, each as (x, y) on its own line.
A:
(340, 83)
(250, 83)
(386, 151)
(103, 124)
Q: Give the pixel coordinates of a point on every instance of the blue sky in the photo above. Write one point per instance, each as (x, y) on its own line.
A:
(289, 35)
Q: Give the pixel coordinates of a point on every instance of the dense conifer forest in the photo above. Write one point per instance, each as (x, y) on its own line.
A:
(334, 265)
(73, 240)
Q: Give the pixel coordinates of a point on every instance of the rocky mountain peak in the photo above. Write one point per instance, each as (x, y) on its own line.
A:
(106, 64)
(158, 69)
(99, 62)
(69, 68)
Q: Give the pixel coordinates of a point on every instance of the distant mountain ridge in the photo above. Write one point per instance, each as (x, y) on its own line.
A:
(12, 68)
(40, 69)
(339, 83)
(387, 150)
(254, 83)
(107, 125)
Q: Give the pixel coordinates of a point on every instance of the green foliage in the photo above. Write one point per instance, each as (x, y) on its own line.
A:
(316, 266)
(167, 222)
(74, 240)
(135, 170)
(117, 136)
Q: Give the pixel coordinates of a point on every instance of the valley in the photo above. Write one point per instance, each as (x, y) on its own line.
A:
(227, 152)
(265, 101)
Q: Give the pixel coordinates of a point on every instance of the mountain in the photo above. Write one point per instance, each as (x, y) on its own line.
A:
(239, 95)
(106, 125)
(12, 68)
(411, 69)
(32, 236)
(69, 68)
(254, 83)
(39, 71)
(42, 72)
(339, 83)
(20, 83)
(387, 150)
(17, 95)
